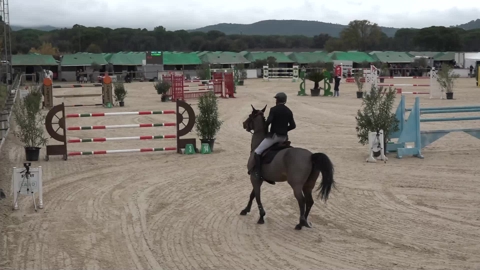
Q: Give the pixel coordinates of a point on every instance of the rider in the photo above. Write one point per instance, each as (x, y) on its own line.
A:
(281, 119)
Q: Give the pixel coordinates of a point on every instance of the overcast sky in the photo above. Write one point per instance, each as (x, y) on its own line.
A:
(190, 14)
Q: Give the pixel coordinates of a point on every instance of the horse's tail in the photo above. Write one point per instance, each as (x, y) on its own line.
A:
(323, 163)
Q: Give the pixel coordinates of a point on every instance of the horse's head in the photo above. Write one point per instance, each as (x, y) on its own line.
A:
(255, 121)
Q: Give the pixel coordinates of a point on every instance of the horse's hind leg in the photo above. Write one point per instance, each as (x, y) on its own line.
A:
(307, 192)
(298, 192)
(249, 205)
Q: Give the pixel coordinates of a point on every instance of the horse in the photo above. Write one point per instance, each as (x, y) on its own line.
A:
(297, 166)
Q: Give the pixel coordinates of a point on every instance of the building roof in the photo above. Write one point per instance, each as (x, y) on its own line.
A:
(33, 59)
(126, 58)
(354, 56)
(424, 54)
(446, 56)
(179, 58)
(223, 58)
(392, 57)
(310, 57)
(254, 56)
(83, 59)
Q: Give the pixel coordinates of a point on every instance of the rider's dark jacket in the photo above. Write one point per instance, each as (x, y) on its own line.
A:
(281, 120)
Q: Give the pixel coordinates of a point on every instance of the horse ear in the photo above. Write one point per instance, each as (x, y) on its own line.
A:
(253, 109)
(264, 108)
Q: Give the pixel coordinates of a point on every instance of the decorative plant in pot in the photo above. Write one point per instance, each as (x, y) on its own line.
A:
(30, 123)
(203, 72)
(316, 77)
(120, 93)
(384, 72)
(446, 79)
(240, 74)
(359, 82)
(207, 120)
(377, 114)
(162, 88)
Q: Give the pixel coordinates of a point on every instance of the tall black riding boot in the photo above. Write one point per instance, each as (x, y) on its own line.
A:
(258, 169)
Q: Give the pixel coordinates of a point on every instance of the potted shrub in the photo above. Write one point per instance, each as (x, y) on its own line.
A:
(162, 88)
(383, 72)
(377, 114)
(359, 81)
(446, 79)
(30, 123)
(120, 93)
(207, 121)
(203, 72)
(240, 74)
(316, 77)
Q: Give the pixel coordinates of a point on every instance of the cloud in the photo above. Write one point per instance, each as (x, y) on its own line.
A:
(189, 14)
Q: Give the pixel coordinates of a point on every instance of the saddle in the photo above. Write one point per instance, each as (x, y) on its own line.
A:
(269, 154)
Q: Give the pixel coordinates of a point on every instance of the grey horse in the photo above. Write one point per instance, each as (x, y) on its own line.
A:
(298, 166)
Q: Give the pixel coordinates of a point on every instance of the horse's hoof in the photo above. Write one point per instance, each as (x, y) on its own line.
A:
(244, 212)
(308, 224)
(261, 221)
(298, 227)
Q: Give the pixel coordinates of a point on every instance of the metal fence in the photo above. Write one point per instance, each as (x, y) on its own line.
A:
(6, 114)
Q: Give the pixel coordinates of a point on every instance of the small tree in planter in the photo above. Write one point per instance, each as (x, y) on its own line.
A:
(207, 121)
(446, 79)
(203, 72)
(240, 74)
(316, 77)
(29, 124)
(359, 82)
(377, 114)
(384, 72)
(120, 93)
(162, 88)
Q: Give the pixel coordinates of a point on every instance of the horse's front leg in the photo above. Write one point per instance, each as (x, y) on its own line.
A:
(257, 184)
(249, 205)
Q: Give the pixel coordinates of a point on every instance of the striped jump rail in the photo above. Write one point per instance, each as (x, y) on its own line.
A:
(403, 84)
(77, 85)
(400, 91)
(155, 137)
(195, 85)
(84, 105)
(194, 81)
(104, 152)
(75, 96)
(76, 115)
(123, 126)
(184, 124)
(414, 77)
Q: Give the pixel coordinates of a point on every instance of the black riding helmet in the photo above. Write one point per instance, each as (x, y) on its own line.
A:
(281, 97)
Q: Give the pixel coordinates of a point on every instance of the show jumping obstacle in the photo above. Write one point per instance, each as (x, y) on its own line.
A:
(61, 150)
(409, 131)
(435, 91)
(223, 85)
(280, 73)
(326, 85)
(106, 94)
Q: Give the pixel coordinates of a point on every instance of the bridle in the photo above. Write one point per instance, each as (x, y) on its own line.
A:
(248, 124)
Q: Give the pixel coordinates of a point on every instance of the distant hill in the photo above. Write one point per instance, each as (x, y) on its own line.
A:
(470, 25)
(284, 27)
(45, 28)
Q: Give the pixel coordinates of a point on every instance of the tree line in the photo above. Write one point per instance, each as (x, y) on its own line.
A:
(361, 35)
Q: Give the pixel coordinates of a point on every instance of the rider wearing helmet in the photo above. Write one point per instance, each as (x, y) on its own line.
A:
(281, 120)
